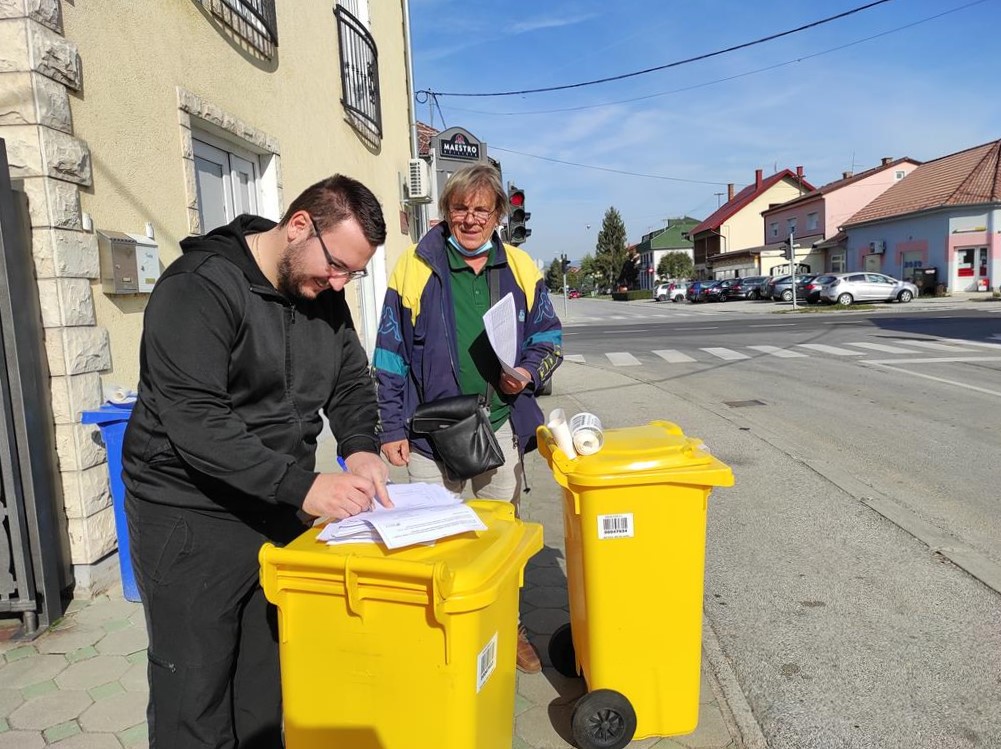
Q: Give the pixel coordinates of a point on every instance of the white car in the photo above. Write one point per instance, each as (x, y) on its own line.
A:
(847, 288)
(675, 291)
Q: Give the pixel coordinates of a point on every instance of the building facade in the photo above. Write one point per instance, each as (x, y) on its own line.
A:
(722, 241)
(943, 217)
(162, 120)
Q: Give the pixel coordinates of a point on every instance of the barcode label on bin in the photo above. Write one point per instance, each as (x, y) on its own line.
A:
(615, 526)
(486, 662)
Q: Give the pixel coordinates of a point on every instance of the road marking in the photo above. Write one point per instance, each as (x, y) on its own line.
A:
(984, 344)
(725, 353)
(774, 325)
(829, 349)
(574, 358)
(622, 359)
(965, 386)
(782, 353)
(929, 344)
(707, 327)
(673, 357)
(882, 347)
(933, 360)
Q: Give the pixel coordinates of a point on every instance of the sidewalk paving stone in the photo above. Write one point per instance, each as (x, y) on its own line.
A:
(32, 670)
(90, 741)
(123, 642)
(49, 710)
(62, 731)
(93, 672)
(22, 740)
(115, 713)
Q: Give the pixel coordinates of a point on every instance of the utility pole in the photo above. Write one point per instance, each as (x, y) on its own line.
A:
(719, 197)
(792, 265)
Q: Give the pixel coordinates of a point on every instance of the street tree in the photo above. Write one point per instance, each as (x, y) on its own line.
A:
(554, 275)
(610, 250)
(675, 265)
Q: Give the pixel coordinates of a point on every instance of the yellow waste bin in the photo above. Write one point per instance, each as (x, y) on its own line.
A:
(634, 519)
(401, 649)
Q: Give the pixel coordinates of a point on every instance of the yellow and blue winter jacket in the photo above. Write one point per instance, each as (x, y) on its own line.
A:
(416, 355)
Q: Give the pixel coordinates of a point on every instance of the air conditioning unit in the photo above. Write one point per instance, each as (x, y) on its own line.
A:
(877, 248)
(419, 184)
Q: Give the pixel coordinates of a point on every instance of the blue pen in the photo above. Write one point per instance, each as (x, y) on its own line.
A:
(342, 464)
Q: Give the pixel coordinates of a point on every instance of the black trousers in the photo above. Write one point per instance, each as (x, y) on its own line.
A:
(213, 655)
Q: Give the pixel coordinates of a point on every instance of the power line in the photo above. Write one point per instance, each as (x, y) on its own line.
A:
(675, 64)
(606, 169)
(727, 78)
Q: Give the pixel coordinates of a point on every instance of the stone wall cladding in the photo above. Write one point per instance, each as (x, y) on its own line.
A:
(38, 68)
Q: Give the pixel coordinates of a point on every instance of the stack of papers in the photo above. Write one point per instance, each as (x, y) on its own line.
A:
(423, 513)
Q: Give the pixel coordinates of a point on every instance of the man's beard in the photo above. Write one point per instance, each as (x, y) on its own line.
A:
(291, 279)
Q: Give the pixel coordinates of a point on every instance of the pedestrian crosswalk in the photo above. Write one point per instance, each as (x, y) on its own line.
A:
(910, 347)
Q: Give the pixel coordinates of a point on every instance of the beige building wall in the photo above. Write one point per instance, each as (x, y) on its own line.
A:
(101, 100)
(744, 229)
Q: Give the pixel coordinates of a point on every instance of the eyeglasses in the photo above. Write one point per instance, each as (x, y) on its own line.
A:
(480, 215)
(340, 270)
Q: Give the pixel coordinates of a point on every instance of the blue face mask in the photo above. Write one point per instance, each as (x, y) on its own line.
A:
(485, 247)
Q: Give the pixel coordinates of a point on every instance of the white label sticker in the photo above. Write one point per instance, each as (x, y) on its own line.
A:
(486, 662)
(615, 526)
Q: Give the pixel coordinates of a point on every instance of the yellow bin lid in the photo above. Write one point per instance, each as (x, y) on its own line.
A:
(458, 573)
(654, 453)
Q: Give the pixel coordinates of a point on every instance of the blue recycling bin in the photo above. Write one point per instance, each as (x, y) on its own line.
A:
(112, 418)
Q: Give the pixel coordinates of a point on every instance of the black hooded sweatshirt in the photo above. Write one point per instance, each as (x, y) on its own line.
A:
(232, 377)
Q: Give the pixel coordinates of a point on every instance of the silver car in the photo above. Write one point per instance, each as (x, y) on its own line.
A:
(847, 288)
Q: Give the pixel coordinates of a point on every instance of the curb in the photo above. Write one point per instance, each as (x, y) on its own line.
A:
(733, 704)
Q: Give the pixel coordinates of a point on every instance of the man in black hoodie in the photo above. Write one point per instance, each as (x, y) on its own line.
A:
(247, 337)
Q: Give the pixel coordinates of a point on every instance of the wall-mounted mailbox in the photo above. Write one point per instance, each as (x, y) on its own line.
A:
(130, 263)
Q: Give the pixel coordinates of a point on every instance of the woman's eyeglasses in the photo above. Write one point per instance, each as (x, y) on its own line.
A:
(480, 215)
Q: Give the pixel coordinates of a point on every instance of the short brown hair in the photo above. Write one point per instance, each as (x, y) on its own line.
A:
(470, 179)
(338, 198)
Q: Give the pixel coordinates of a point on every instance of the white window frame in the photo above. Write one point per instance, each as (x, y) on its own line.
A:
(838, 263)
(235, 161)
(359, 9)
(899, 174)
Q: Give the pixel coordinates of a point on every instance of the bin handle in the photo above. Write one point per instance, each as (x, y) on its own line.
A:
(439, 584)
(552, 454)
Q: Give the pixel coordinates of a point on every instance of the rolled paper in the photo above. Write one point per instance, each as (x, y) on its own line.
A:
(587, 435)
(561, 432)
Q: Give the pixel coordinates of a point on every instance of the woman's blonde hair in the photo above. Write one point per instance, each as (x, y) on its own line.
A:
(468, 180)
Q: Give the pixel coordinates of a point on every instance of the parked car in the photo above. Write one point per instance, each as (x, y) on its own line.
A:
(676, 290)
(746, 288)
(718, 291)
(573, 294)
(847, 288)
(693, 290)
(811, 290)
(780, 287)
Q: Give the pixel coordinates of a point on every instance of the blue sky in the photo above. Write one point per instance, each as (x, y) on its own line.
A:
(923, 91)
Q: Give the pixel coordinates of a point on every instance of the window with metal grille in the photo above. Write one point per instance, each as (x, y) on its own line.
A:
(252, 20)
(359, 71)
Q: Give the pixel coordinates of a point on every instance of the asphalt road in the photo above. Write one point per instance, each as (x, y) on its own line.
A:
(853, 570)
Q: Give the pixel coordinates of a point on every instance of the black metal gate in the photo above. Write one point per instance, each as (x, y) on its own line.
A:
(34, 545)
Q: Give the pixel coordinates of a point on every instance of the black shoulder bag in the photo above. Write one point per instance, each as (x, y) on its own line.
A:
(459, 427)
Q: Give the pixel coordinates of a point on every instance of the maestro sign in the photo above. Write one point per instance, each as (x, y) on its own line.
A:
(459, 146)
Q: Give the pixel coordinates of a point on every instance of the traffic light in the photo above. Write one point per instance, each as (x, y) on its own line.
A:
(517, 232)
(565, 262)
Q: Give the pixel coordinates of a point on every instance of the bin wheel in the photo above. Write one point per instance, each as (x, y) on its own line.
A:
(561, 652)
(603, 719)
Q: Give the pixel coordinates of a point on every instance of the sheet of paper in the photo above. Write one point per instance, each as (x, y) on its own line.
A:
(501, 325)
(408, 527)
(422, 514)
